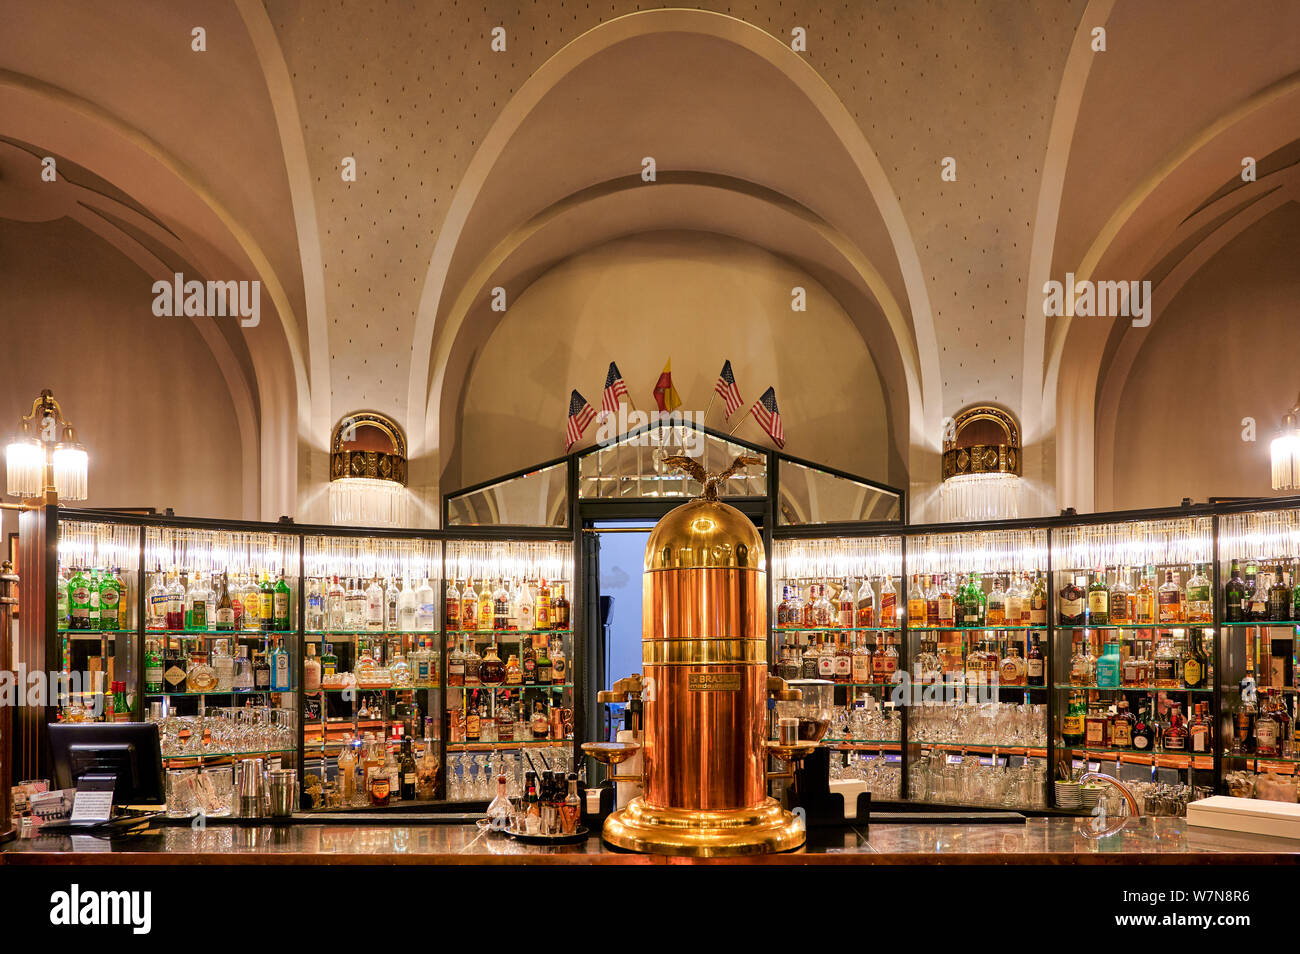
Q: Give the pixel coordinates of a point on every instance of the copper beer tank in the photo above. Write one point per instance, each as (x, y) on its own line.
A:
(704, 649)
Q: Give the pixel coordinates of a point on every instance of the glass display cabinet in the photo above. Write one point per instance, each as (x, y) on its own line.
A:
(976, 623)
(510, 660)
(1258, 684)
(1136, 653)
(838, 618)
(97, 621)
(371, 669)
(219, 660)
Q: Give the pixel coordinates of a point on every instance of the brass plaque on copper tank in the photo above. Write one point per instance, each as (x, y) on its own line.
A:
(713, 682)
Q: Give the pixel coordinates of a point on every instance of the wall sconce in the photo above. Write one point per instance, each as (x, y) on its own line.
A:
(44, 459)
(981, 466)
(368, 471)
(1285, 451)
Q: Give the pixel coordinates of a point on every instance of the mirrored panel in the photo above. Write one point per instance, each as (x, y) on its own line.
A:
(536, 499)
(810, 496)
(634, 466)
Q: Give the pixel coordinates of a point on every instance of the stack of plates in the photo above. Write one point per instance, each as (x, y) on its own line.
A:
(1091, 794)
(1069, 795)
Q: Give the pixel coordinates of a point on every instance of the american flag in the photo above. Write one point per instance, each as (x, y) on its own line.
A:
(768, 417)
(614, 389)
(727, 390)
(580, 415)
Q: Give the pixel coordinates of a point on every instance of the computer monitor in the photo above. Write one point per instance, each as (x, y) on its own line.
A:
(130, 751)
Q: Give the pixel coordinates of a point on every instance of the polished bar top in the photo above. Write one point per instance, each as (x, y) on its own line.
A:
(1036, 841)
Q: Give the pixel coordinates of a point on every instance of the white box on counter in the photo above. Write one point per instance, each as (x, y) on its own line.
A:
(1253, 815)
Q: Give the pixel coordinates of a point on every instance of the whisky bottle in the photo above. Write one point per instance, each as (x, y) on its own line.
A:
(916, 607)
(1167, 675)
(1279, 597)
(407, 772)
(1234, 595)
(1073, 726)
(1098, 600)
(451, 605)
(1034, 662)
(860, 665)
(543, 616)
(1038, 602)
(1121, 599)
(1144, 603)
(996, 611)
(1195, 670)
(1200, 604)
(1169, 601)
(866, 600)
(225, 620)
(888, 604)
(947, 605)
(559, 662)
(468, 606)
(560, 610)
(1074, 607)
(544, 672)
(500, 607)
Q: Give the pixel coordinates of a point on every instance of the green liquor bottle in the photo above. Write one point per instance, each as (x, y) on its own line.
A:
(280, 605)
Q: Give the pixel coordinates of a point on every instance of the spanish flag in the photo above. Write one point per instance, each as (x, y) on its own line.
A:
(666, 396)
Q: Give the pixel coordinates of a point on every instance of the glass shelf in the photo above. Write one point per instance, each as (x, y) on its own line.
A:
(314, 634)
(836, 629)
(1250, 757)
(976, 629)
(1132, 688)
(226, 755)
(512, 686)
(490, 746)
(1281, 622)
(984, 748)
(221, 633)
(368, 689)
(1161, 626)
(509, 632)
(97, 632)
(216, 692)
(1179, 760)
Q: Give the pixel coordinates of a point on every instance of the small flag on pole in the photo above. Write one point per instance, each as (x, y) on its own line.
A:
(580, 415)
(666, 396)
(768, 417)
(614, 389)
(727, 390)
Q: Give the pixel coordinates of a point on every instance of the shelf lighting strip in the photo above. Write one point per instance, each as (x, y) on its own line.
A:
(1259, 535)
(837, 559)
(979, 551)
(504, 560)
(215, 551)
(102, 545)
(366, 558)
(1180, 541)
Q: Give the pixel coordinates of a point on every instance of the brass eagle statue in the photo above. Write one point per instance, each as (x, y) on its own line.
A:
(711, 482)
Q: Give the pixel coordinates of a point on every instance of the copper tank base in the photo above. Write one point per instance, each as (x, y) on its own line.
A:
(704, 834)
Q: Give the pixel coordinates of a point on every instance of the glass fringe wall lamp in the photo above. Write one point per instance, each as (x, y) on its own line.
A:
(981, 466)
(1285, 451)
(368, 471)
(44, 459)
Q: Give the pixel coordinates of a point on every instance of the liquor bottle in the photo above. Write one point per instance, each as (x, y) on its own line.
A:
(1279, 597)
(451, 605)
(524, 609)
(545, 674)
(1038, 601)
(514, 672)
(543, 615)
(1169, 601)
(1034, 662)
(532, 805)
(560, 610)
(262, 673)
(406, 772)
(200, 677)
(1175, 734)
(315, 609)
(311, 670)
(996, 609)
(1198, 730)
(266, 604)
(426, 608)
(931, 585)
(1121, 599)
(110, 597)
(1257, 601)
(1073, 726)
(500, 607)
(280, 605)
(245, 679)
(1144, 732)
(155, 601)
(947, 605)
(1268, 728)
(1234, 595)
(529, 662)
(846, 610)
(486, 608)
(175, 602)
(1121, 727)
(329, 663)
(866, 599)
(888, 614)
(1098, 606)
(281, 678)
(153, 667)
(492, 671)
(407, 611)
(1195, 663)
(223, 665)
(336, 606)
(843, 667)
(1108, 668)
(175, 666)
(1144, 601)
(1167, 675)
(559, 662)
(1083, 665)
(1074, 606)
(860, 664)
(225, 620)
(887, 664)
(571, 807)
(391, 594)
(916, 608)
(1200, 601)
(473, 663)
(540, 722)
(1013, 669)
(456, 665)
(62, 611)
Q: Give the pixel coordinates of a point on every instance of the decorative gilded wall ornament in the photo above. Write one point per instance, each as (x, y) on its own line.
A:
(981, 465)
(367, 470)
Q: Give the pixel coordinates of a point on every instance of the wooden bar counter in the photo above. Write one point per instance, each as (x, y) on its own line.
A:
(1146, 840)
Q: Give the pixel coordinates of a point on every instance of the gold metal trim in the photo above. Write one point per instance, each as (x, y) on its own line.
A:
(372, 465)
(704, 834)
(701, 652)
(1003, 458)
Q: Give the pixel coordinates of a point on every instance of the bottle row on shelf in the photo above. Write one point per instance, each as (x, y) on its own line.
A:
(1157, 726)
(170, 667)
(505, 715)
(93, 598)
(1172, 660)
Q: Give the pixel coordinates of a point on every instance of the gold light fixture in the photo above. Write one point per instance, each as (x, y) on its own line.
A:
(44, 459)
(368, 471)
(1285, 451)
(981, 466)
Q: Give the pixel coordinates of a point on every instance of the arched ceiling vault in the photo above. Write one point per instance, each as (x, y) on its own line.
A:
(731, 157)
